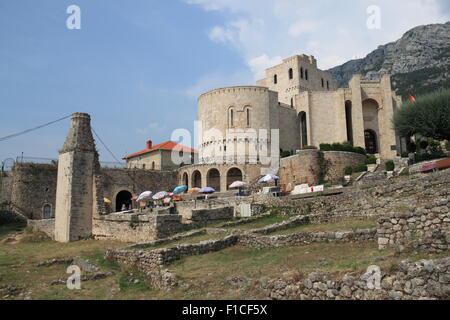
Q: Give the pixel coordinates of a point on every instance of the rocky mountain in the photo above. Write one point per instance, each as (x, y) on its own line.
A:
(419, 62)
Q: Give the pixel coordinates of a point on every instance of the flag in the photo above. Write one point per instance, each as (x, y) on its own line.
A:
(411, 98)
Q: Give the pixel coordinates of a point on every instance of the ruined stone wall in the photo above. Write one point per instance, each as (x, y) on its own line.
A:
(422, 280)
(304, 167)
(46, 226)
(33, 186)
(5, 187)
(339, 160)
(305, 238)
(427, 228)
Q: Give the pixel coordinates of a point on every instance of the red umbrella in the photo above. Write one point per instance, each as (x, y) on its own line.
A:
(134, 198)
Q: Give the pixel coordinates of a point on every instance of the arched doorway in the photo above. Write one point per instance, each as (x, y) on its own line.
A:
(371, 126)
(371, 141)
(303, 129)
(123, 198)
(213, 179)
(185, 180)
(47, 212)
(196, 179)
(348, 119)
(233, 175)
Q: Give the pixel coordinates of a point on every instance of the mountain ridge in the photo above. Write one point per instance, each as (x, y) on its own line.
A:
(419, 62)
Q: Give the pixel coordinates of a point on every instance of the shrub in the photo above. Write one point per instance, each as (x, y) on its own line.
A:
(310, 148)
(345, 146)
(285, 154)
(361, 168)
(390, 165)
(447, 145)
(371, 159)
(405, 155)
(429, 116)
(348, 171)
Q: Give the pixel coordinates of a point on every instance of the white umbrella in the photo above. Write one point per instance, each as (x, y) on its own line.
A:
(237, 184)
(144, 196)
(269, 178)
(160, 195)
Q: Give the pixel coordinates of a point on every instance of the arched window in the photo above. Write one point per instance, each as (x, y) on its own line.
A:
(291, 74)
(306, 74)
(231, 118)
(248, 117)
(275, 79)
(153, 165)
(303, 129)
(47, 212)
(302, 73)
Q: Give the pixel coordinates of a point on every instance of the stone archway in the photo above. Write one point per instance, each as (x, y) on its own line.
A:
(185, 180)
(303, 124)
(196, 179)
(371, 141)
(213, 179)
(371, 125)
(234, 174)
(123, 198)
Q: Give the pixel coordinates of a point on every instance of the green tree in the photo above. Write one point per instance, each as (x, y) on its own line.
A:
(429, 116)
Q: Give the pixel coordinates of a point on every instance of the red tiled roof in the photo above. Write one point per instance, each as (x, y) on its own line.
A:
(168, 145)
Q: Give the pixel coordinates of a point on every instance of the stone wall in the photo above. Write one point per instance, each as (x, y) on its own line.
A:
(305, 238)
(427, 228)
(422, 280)
(33, 186)
(304, 167)
(339, 160)
(5, 186)
(45, 226)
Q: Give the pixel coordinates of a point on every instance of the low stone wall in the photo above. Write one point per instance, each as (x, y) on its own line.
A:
(45, 226)
(427, 228)
(426, 279)
(305, 238)
(202, 217)
(148, 260)
(294, 221)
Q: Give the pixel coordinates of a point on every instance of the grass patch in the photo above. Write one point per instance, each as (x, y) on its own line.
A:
(337, 226)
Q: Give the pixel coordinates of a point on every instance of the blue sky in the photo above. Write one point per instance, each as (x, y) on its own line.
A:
(138, 66)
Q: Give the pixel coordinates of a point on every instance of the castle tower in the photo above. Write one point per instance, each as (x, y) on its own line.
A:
(74, 192)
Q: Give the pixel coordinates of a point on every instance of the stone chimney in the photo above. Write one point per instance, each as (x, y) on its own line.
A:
(75, 187)
(149, 144)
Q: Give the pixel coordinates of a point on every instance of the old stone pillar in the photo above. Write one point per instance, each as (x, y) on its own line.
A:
(74, 192)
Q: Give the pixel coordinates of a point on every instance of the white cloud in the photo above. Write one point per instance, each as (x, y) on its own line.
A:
(219, 79)
(303, 26)
(333, 33)
(259, 65)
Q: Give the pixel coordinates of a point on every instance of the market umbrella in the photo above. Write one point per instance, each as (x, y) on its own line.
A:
(144, 196)
(194, 190)
(106, 200)
(237, 184)
(160, 195)
(207, 190)
(179, 190)
(269, 178)
(134, 198)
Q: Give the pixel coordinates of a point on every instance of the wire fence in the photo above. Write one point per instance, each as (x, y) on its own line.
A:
(8, 164)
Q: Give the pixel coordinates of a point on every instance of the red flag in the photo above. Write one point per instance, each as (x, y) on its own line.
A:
(411, 98)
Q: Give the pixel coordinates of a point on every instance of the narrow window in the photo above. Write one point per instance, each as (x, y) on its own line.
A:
(328, 85)
(292, 102)
(232, 118)
(306, 74)
(153, 165)
(275, 79)
(291, 74)
(302, 73)
(323, 84)
(248, 117)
